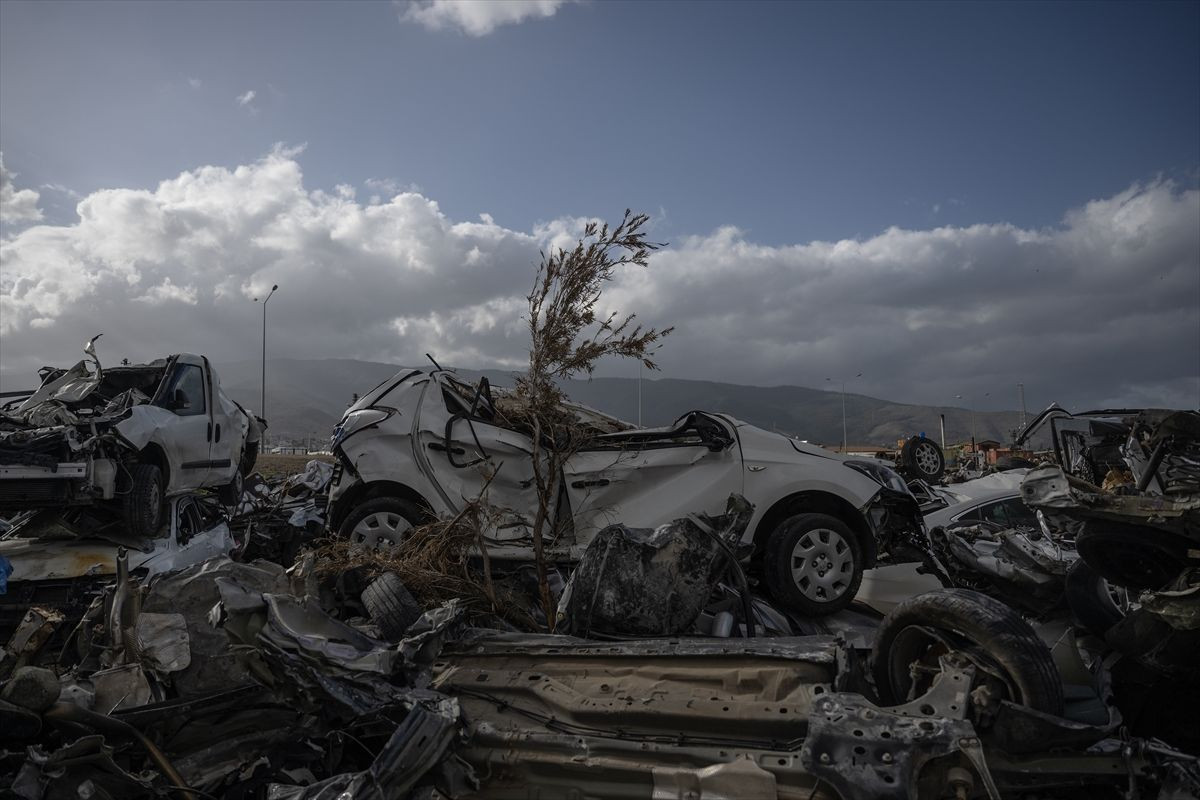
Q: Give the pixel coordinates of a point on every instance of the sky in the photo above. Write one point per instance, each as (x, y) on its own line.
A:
(949, 199)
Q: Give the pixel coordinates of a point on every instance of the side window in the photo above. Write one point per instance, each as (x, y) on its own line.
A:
(1011, 513)
(1019, 514)
(994, 512)
(186, 397)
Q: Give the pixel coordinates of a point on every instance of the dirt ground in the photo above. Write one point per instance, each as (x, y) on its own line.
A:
(281, 466)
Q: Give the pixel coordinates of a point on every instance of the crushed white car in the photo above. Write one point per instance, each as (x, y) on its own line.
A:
(424, 444)
(106, 446)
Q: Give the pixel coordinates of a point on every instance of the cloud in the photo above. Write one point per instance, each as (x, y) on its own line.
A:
(195, 83)
(476, 17)
(16, 206)
(1100, 309)
(246, 100)
(58, 188)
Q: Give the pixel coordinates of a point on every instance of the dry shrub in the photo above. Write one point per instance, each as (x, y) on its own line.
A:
(438, 562)
(568, 337)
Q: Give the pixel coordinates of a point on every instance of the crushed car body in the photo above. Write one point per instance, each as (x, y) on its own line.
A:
(104, 446)
(423, 444)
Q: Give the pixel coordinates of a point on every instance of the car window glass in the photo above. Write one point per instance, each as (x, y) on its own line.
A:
(1011, 513)
(189, 379)
(1019, 514)
(189, 522)
(994, 512)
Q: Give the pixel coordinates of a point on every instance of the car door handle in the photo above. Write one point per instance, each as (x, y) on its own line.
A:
(218, 431)
(441, 448)
(208, 437)
(588, 484)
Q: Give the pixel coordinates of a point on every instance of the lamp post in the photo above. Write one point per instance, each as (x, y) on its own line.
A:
(843, 382)
(971, 403)
(262, 401)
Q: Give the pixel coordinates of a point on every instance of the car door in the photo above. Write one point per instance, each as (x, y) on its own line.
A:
(187, 437)
(225, 448)
(469, 455)
(647, 478)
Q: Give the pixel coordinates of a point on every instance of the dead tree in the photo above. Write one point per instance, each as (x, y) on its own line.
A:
(568, 338)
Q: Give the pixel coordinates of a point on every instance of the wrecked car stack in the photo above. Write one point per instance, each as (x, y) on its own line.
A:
(707, 641)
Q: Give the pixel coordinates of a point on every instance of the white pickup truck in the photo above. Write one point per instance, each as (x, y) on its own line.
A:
(104, 448)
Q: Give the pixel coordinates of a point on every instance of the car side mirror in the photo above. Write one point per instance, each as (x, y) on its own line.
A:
(179, 401)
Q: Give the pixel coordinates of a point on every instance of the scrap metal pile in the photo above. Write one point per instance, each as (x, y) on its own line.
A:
(1056, 659)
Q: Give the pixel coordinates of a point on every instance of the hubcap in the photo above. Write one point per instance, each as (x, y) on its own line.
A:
(926, 458)
(381, 530)
(822, 565)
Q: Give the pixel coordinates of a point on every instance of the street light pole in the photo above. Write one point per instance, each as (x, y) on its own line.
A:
(262, 400)
(843, 381)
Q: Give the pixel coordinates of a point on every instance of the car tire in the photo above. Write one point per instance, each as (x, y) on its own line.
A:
(922, 458)
(982, 622)
(1133, 556)
(800, 556)
(1088, 597)
(144, 503)
(231, 493)
(390, 606)
(249, 459)
(381, 522)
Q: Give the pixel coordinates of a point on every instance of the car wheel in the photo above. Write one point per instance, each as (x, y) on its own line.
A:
(1090, 599)
(390, 606)
(231, 493)
(1132, 556)
(813, 564)
(911, 638)
(381, 523)
(923, 459)
(144, 502)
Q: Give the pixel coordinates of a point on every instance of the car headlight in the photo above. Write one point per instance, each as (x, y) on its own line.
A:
(355, 421)
(880, 474)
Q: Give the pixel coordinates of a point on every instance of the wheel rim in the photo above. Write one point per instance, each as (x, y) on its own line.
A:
(926, 458)
(822, 565)
(381, 530)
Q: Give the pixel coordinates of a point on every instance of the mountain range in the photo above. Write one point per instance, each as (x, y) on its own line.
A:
(305, 398)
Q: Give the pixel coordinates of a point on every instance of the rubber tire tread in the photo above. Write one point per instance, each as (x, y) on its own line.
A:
(777, 564)
(909, 460)
(986, 622)
(1101, 541)
(135, 511)
(1088, 599)
(390, 606)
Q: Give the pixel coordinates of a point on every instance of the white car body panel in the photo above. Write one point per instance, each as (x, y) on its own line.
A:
(640, 485)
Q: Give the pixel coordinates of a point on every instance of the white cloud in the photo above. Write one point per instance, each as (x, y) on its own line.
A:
(195, 83)
(1103, 307)
(63, 190)
(246, 100)
(16, 206)
(168, 292)
(476, 17)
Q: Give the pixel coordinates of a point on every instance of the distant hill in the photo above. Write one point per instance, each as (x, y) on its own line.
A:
(305, 398)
